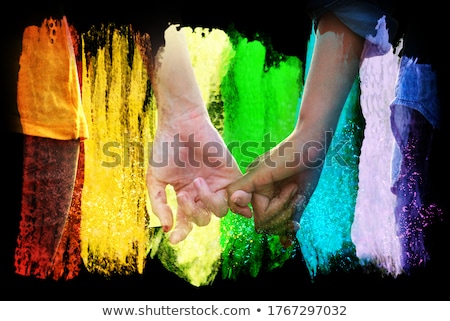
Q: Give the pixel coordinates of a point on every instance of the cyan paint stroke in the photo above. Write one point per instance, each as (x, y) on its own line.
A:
(325, 233)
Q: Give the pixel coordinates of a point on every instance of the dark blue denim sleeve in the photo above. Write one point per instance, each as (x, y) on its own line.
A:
(361, 17)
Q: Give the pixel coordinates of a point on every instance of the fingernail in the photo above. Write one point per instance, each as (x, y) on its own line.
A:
(294, 191)
(198, 182)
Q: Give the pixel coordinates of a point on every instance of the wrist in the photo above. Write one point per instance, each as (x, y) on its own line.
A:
(184, 123)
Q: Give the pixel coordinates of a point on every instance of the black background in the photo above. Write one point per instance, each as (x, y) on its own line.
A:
(290, 282)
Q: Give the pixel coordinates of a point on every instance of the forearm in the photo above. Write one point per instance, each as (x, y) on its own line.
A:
(333, 70)
(177, 92)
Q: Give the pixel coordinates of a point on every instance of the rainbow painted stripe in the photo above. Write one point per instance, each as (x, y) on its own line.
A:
(247, 98)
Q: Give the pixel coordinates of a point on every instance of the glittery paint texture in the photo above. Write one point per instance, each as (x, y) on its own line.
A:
(119, 110)
(374, 229)
(324, 235)
(260, 101)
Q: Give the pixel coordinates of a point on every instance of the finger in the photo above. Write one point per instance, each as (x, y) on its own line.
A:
(271, 215)
(292, 216)
(244, 183)
(239, 203)
(300, 201)
(241, 198)
(240, 195)
(186, 215)
(182, 229)
(158, 202)
(260, 204)
(268, 208)
(289, 238)
(192, 210)
(214, 202)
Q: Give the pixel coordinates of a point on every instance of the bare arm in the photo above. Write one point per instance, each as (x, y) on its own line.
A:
(275, 187)
(178, 156)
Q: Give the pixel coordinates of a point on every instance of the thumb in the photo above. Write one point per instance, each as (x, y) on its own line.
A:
(239, 203)
(240, 195)
(214, 202)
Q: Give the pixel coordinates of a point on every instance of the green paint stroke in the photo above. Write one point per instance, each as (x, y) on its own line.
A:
(260, 104)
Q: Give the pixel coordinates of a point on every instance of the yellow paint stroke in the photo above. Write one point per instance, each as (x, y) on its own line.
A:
(118, 228)
(210, 51)
(115, 93)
